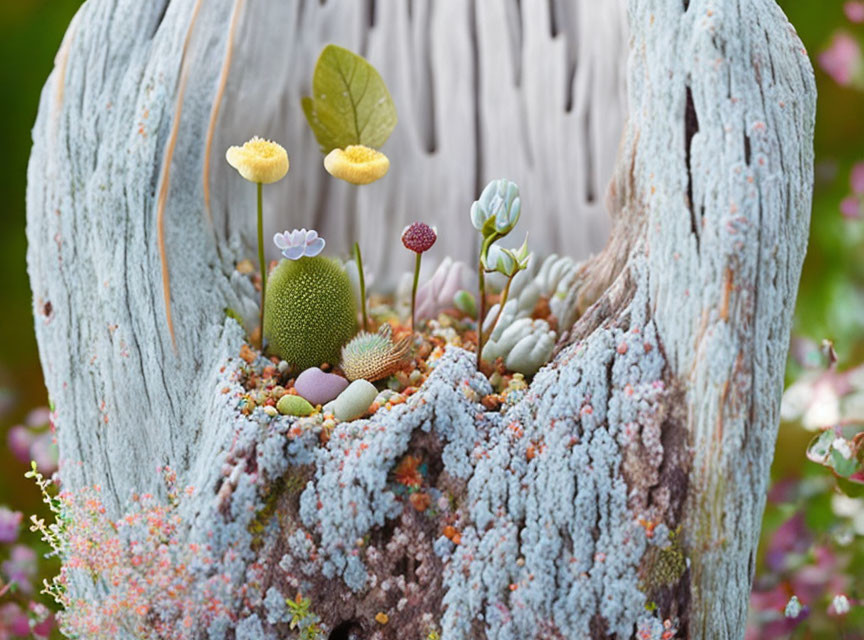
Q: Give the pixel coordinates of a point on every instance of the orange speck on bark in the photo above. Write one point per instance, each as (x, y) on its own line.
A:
(420, 501)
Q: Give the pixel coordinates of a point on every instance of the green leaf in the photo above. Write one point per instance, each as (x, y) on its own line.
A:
(350, 102)
(850, 487)
(843, 467)
(820, 446)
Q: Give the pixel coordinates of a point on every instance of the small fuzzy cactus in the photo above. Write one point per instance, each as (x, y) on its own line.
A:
(310, 311)
(372, 356)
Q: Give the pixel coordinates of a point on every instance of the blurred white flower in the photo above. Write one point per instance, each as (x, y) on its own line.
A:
(840, 604)
(793, 608)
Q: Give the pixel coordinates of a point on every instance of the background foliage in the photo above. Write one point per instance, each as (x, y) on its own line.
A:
(813, 533)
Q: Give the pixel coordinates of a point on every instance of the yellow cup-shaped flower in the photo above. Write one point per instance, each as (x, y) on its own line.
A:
(356, 164)
(259, 160)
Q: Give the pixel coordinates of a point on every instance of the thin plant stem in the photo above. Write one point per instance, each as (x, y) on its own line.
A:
(481, 278)
(359, 260)
(481, 312)
(501, 304)
(261, 259)
(414, 290)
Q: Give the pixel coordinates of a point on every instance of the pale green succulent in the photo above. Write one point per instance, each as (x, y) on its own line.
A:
(525, 346)
(497, 210)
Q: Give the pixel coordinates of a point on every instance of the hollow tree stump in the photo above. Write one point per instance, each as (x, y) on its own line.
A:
(625, 489)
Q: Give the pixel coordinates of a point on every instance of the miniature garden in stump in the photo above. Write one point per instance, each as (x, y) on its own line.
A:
(333, 351)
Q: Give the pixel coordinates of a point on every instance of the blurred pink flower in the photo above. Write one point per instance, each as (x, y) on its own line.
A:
(18, 439)
(44, 453)
(35, 440)
(770, 621)
(856, 179)
(38, 417)
(13, 622)
(791, 538)
(21, 567)
(10, 521)
(842, 60)
(822, 576)
(854, 11)
(43, 620)
(851, 208)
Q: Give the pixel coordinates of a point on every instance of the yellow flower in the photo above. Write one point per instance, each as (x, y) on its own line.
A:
(356, 164)
(259, 160)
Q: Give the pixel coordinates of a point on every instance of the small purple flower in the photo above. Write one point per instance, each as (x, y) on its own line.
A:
(298, 243)
(10, 522)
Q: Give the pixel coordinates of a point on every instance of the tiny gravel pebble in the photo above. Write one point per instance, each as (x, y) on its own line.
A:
(289, 405)
(355, 400)
(319, 387)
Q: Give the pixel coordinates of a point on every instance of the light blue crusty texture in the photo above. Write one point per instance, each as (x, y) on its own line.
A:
(541, 511)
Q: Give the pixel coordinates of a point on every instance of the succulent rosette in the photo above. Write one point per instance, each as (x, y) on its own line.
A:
(498, 209)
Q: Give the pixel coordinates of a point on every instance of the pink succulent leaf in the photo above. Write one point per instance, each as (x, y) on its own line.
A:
(437, 293)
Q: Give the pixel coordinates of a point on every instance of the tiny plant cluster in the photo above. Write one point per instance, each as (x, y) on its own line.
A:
(330, 339)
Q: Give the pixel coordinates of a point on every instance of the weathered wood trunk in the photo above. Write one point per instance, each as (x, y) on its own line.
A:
(624, 490)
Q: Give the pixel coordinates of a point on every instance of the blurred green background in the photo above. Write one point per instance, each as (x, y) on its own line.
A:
(30, 34)
(830, 304)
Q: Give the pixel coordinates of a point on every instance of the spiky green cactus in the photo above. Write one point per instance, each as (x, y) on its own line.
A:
(310, 311)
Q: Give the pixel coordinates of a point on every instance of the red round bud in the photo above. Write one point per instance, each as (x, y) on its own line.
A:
(419, 237)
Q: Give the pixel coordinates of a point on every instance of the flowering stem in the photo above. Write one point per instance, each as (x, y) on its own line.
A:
(501, 304)
(481, 311)
(481, 277)
(362, 279)
(261, 260)
(414, 288)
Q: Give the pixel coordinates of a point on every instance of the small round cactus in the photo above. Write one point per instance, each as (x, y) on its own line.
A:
(310, 311)
(372, 356)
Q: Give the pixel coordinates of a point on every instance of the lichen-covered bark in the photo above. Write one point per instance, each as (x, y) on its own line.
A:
(621, 493)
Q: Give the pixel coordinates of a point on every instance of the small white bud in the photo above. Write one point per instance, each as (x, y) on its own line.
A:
(840, 604)
(793, 607)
